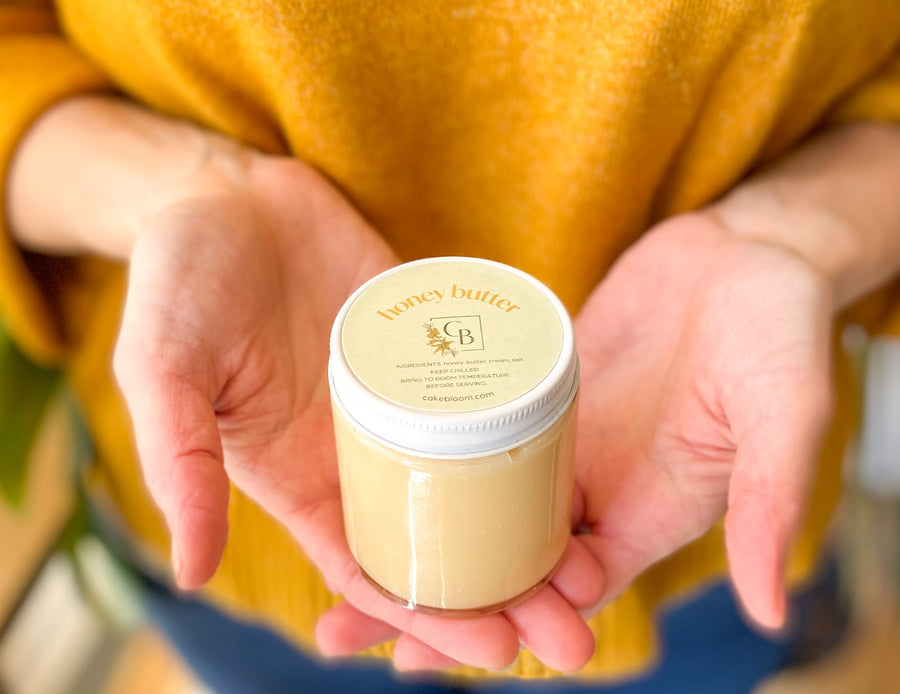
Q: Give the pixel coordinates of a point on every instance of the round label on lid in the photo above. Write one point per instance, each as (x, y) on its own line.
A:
(453, 335)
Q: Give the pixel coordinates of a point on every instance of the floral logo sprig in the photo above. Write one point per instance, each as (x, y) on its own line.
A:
(441, 344)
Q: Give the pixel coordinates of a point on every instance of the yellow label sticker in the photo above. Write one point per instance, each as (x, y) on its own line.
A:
(452, 335)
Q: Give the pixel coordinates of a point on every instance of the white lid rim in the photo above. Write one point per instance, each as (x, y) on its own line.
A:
(448, 444)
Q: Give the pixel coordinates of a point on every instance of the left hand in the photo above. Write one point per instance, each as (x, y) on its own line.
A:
(705, 391)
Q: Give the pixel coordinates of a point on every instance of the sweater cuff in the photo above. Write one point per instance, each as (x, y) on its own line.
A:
(36, 72)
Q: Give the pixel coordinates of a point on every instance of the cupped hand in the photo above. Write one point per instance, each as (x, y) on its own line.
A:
(222, 358)
(705, 391)
(223, 346)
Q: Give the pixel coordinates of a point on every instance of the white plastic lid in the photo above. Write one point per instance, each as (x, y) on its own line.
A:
(452, 357)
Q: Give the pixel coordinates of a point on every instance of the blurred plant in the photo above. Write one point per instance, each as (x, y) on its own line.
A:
(26, 391)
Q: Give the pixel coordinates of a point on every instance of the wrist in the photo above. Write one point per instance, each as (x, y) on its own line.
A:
(813, 235)
(208, 163)
(833, 203)
(93, 169)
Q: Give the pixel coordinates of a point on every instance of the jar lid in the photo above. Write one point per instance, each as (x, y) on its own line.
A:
(453, 356)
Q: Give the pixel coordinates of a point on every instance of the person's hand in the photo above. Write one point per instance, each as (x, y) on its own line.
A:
(705, 391)
(223, 347)
(222, 358)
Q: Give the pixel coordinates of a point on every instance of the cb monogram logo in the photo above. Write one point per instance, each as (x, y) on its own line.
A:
(453, 334)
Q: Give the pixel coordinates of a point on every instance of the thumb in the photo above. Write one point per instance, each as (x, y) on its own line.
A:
(773, 468)
(180, 451)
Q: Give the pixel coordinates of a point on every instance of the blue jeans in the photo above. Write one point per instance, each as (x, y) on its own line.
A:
(708, 649)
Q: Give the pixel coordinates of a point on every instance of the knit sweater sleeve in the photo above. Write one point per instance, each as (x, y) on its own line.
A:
(38, 68)
(875, 98)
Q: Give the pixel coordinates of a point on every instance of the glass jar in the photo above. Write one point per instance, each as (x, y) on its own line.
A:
(454, 386)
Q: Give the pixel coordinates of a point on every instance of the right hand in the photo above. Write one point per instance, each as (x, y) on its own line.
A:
(222, 358)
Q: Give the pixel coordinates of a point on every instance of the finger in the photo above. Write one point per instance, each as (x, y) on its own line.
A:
(411, 654)
(198, 519)
(579, 578)
(756, 539)
(633, 529)
(773, 468)
(180, 452)
(344, 630)
(549, 627)
(488, 642)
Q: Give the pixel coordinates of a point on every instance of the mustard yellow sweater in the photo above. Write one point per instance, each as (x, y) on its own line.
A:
(547, 135)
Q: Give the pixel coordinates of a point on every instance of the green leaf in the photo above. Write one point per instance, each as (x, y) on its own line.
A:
(26, 390)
